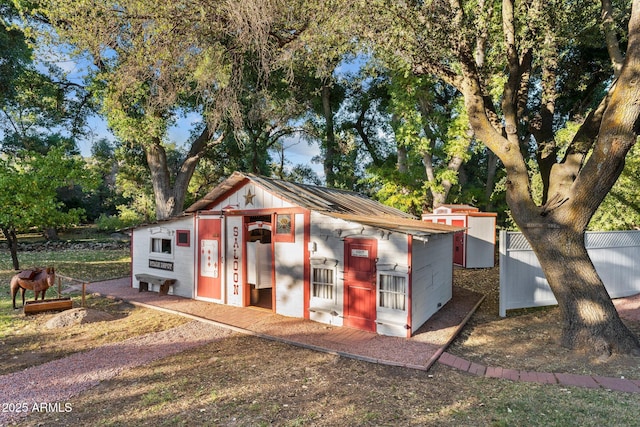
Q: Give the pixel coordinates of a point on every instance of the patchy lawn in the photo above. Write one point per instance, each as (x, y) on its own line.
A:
(527, 339)
(247, 381)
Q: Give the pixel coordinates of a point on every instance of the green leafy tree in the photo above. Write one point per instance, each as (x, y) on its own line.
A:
(157, 61)
(620, 210)
(29, 185)
(15, 52)
(504, 58)
(429, 118)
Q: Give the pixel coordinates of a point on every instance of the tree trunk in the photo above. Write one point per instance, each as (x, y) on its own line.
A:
(359, 127)
(255, 155)
(611, 37)
(170, 198)
(160, 179)
(12, 241)
(330, 143)
(492, 167)
(556, 230)
(403, 162)
(51, 234)
(589, 318)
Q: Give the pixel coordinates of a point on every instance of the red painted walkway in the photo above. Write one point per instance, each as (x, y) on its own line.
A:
(419, 352)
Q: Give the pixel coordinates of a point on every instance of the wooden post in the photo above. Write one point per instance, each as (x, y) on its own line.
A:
(84, 290)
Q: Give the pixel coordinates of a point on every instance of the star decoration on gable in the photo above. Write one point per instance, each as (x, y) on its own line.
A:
(248, 198)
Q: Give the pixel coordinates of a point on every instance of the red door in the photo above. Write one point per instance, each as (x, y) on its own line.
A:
(360, 284)
(458, 243)
(209, 270)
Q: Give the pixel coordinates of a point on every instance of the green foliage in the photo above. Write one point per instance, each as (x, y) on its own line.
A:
(620, 210)
(126, 218)
(15, 53)
(405, 191)
(40, 106)
(133, 181)
(29, 189)
(429, 120)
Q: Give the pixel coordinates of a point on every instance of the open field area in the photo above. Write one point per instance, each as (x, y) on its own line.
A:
(243, 380)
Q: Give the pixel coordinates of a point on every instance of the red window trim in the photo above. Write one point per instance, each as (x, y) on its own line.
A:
(178, 233)
(285, 237)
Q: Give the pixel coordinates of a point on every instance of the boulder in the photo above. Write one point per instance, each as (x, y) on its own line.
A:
(77, 316)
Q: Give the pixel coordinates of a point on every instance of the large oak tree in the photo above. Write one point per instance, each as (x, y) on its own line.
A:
(471, 45)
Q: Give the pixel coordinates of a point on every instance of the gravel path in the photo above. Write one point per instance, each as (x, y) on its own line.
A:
(50, 386)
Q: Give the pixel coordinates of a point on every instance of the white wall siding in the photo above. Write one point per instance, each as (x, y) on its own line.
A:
(234, 257)
(329, 250)
(480, 244)
(327, 236)
(432, 277)
(251, 196)
(289, 265)
(393, 256)
(181, 256)
(432, 271)
(615, 255)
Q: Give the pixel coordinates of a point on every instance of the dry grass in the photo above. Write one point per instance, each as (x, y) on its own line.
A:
(246, 381)
(527, 339)
(29, 343)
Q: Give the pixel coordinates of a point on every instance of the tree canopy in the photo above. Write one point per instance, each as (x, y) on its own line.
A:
(29, 185)
(155, 62)
(505, 59)
(546, 89)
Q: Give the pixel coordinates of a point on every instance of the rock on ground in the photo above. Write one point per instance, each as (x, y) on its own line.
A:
(77, 316)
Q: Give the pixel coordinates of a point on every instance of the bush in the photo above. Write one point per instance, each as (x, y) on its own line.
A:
(125, 219)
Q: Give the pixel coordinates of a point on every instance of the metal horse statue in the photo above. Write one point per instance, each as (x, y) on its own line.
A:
(38, 280)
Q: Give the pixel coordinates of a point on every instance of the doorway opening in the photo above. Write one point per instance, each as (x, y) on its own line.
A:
(259, 261)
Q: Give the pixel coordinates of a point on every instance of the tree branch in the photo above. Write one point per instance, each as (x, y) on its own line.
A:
(617, 134)
(611, 38)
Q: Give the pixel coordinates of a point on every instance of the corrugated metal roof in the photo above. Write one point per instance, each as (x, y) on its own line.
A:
(346, 205)
(402, 225)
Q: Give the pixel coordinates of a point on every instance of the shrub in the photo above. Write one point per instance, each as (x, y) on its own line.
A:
(125, 219)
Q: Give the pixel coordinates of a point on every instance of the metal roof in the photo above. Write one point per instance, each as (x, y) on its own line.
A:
(402, 225)
(337, 203)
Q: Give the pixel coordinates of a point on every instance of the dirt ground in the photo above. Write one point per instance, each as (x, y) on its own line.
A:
(247, 381)
(526, 339)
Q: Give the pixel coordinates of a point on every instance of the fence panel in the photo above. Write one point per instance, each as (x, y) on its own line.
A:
(615, 254)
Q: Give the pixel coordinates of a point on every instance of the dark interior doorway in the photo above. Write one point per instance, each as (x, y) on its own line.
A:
(259, 261)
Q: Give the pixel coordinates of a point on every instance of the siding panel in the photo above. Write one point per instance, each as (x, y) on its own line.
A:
(432, 277)
(181, 256)
(523, 284)
(289, 264)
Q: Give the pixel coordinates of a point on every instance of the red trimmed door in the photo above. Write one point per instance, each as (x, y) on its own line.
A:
(360, 283)
(209, 249)
(458, 242)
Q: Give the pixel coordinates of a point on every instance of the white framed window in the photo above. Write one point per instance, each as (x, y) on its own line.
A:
(392, 290)
(323, 282)
(161, 245)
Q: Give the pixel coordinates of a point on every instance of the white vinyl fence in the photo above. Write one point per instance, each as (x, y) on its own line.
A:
(615, 254)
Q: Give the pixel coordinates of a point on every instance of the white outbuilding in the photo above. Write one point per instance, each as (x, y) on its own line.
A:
(473, 247)
(328, 255)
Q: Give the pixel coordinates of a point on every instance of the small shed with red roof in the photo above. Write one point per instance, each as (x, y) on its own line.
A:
(473, 247)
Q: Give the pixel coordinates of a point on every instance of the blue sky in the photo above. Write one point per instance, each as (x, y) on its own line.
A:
(300, 153)
(77, 69)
